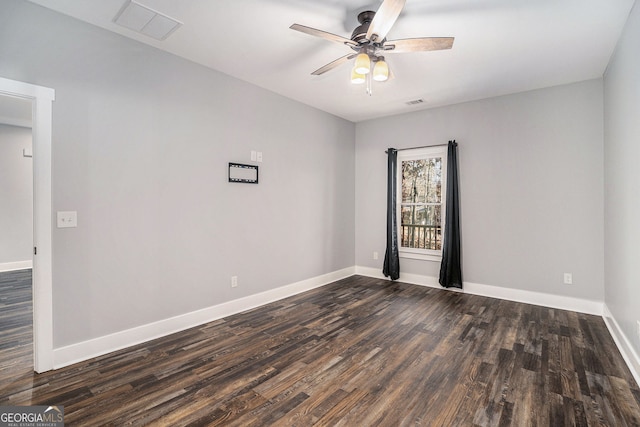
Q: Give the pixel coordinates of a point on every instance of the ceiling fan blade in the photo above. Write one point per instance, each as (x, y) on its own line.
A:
(418, 45)
(323, 34)
(331, 65)
(384, 19)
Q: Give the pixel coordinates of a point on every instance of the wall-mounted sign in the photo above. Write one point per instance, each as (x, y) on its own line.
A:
(247, 174)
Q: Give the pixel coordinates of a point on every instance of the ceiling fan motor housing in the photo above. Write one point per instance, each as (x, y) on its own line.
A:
(359, 35)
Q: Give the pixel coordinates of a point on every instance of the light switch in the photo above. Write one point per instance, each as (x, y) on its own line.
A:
(253, 155)
(67, 219)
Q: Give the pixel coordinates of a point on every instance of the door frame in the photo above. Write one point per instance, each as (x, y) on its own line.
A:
(41, 103)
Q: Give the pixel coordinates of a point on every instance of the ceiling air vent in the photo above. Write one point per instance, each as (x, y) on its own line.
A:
(415, 102)
(147, 21)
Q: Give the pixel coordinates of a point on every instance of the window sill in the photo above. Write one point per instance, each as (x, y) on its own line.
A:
(421, 257)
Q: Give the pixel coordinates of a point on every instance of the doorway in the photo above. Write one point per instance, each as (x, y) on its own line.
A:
(41, 99)
(16, 229)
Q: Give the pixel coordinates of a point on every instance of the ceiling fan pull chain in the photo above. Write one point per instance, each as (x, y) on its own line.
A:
(369, 85)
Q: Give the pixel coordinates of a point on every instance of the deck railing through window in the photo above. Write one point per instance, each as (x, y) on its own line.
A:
(421, 236)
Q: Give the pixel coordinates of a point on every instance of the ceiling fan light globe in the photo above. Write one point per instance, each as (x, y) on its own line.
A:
(357, 78)
(363, 64)
(381, 71)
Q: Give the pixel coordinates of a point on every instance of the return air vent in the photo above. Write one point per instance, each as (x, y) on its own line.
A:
(415, 102)
(147, 21)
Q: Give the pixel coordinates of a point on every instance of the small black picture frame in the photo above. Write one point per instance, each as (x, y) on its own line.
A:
(246, 174)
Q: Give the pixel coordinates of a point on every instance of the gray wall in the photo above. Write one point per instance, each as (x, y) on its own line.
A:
(622, 180)
(531, 182)
(141, 145)
(16, 195)
(141, 142)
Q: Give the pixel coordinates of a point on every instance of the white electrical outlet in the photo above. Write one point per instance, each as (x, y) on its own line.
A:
(375, 255)
(568, 279)
(234, 281)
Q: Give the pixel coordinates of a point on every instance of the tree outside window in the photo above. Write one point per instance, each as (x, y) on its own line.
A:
(421, 205)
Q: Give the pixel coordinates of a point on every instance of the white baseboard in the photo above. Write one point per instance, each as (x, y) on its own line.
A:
(78, 352)
(529, 297)
(624, 345)
(414, 279)
(17, 265)
(536, 298)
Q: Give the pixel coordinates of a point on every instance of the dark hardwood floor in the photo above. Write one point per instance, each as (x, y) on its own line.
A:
(16, 327)
(357, 352)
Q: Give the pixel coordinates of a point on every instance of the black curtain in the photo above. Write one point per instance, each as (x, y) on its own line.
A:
(391, 266)
(450, 267)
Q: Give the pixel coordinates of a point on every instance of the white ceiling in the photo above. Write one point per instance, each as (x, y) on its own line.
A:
(501, 46)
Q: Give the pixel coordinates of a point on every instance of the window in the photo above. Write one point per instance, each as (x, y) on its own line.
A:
(420, 202)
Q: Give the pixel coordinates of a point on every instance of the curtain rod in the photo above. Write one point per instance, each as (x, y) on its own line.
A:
(424, 146)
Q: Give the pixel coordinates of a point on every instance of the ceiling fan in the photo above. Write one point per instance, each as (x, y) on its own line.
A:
(370, 44)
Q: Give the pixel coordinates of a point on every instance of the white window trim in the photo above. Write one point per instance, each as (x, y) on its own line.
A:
(420, 153)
